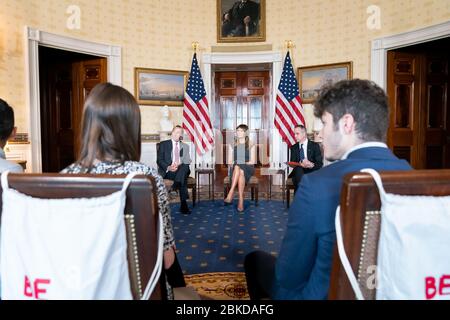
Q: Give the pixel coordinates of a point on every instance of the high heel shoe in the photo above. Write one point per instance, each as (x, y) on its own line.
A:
(226, 203)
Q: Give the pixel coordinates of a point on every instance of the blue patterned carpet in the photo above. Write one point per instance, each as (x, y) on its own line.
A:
(215, 238)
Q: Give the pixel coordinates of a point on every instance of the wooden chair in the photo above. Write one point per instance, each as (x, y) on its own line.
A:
(253, 184)
(360, 220)
(191, 183)
(289, 187)
(141, 218)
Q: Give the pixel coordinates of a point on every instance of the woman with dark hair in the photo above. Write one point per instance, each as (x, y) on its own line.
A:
(111, 144)
(244, 159)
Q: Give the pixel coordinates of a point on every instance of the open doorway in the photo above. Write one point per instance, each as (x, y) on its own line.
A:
(242, 95)
(65, 79)
(418, 86)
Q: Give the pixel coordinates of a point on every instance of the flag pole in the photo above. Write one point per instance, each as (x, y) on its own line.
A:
(195, 45)
(289, 46)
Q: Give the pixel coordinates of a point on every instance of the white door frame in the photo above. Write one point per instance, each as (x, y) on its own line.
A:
(36, 38)
(380, 47)
(273, 57)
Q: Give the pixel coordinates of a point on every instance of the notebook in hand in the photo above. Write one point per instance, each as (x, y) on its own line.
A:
(293, 164)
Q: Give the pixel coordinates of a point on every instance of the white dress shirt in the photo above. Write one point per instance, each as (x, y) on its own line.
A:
(305, 148)
(174, 143)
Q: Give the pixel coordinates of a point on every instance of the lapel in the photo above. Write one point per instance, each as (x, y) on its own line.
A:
(309, 151)
(170, 148)
(295, 149)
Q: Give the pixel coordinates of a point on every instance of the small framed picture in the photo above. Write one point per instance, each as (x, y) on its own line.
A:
(158, 87)
(241, 20)
(313, 78)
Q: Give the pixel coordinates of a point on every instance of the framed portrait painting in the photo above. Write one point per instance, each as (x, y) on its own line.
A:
(241, 20)
(159, 87)
(312, 79)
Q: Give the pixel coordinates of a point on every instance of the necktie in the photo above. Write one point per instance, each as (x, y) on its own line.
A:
(302, 153)
(177, 153)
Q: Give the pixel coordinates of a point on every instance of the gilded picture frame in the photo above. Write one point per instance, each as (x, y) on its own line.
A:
(311, 79)
(158, 87)
(235, 27)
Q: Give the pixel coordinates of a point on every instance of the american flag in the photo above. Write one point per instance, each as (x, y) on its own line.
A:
(196, 120)
(288, 106)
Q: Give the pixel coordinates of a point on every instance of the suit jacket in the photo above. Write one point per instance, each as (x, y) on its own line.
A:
(313, 153)
(237, 13)
(164, 155)
(303, 267)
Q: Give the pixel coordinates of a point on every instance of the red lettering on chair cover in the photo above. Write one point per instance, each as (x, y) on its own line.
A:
(443, 285)
(36, 290)
(430, 286)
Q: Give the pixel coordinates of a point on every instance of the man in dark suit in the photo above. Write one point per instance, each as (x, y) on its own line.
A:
(173, 161)
(355, 118)
(308, 161)
(241, 20)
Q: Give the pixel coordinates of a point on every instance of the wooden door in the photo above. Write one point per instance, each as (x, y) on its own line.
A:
(404, 100)
(242, 97)
(436, 126)
(64, 86)
(418, 90)
(56, 119)
(87, 74)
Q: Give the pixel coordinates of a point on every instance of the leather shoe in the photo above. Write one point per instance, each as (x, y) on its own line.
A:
(184, 209)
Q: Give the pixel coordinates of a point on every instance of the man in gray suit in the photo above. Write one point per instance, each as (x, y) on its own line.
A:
(173, 161)
(7, 131)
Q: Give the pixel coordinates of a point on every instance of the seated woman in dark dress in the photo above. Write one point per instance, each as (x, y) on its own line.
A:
(243, 159)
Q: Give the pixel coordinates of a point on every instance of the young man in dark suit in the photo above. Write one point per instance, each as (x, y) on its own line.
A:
(306, 162)
(173, 161)
(355, 118)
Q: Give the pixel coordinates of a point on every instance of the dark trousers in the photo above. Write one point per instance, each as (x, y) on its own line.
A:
(260, 273)
(296, 176)
(175, 275)
(179, 178)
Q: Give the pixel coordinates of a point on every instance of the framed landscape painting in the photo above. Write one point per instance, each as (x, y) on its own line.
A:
(312, 79)
(159, 87)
